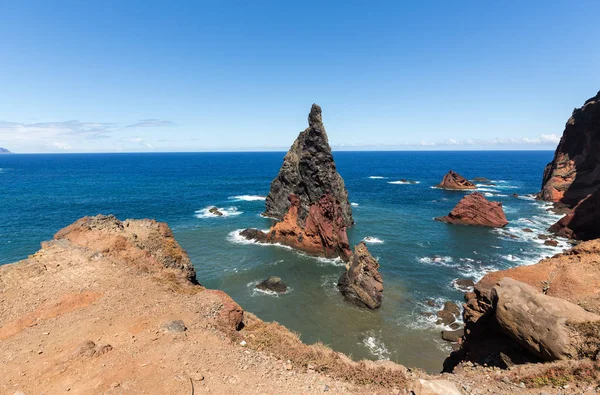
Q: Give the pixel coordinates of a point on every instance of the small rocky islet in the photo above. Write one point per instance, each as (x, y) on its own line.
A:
(521, 325)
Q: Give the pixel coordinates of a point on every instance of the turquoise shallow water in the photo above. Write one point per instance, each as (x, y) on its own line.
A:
(419, 257)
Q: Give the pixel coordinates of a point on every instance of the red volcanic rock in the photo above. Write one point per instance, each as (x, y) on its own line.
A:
(574, 173)
(583, 222)
(362, 284)
(322, 234)
(475, 209)
(454, 180)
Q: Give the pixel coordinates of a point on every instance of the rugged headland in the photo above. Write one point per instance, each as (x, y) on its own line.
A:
(4, 151)
(115, 307)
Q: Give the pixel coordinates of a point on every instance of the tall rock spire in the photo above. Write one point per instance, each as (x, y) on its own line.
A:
(308, 172)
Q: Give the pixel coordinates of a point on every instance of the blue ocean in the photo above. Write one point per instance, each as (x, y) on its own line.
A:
(420, 258)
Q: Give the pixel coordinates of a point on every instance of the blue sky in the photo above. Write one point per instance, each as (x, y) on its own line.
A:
(110, 76)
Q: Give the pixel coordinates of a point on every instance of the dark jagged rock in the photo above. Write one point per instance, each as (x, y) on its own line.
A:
(273, 284)
(323, 232)
(453, 336)
(215, 211)
(453, 180)
(362, 284)
(464, 284)
(574, 173)
(308, 172)
(475, 209)
(583, 222)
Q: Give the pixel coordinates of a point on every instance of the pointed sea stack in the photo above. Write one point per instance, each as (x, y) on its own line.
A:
(475, 209)
(574, 173)
(455, 181)
(308, 172)
(362, 283)
(309, 198)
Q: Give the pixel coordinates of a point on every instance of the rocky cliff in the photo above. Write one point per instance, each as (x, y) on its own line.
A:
(474, 209)
(547, 311)
(361, 283)
(308, 172)
(323, 232)
(574, 173)
(114, 307)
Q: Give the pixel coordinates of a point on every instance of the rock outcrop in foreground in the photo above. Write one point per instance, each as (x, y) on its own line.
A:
(308, 172)
(574, 173)
(475, 209)
(453, 180)
(362, 284)
(547, 311)
(322, 234)
(114, 307)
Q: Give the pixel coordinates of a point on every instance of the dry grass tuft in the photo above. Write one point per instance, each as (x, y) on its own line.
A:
(278, 340)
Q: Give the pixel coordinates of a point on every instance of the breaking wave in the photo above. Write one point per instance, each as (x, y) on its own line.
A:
(227, 212)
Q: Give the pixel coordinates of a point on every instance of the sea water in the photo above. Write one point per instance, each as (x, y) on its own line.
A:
(393, 200)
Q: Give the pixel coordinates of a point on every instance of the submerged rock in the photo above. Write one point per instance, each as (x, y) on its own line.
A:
(449, 313)
(323, 232)
(464, 284)
(362, 284)
(475, 209)
(454, 180)
(215, 211)
(574, 173)
(308, 172)
(273, 284)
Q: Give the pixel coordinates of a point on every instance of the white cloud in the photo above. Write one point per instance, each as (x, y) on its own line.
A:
(141, 141)
(151, 123)
(62, 146)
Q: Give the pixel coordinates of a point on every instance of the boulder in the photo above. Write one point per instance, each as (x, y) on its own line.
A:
(455, 181)
(583, 222)
(475, 209)
(322, 233)
(574, 172)
(362, 284)
(453, 336)
(547, 326)
(308, 172)
(552, 243)
(273, 284)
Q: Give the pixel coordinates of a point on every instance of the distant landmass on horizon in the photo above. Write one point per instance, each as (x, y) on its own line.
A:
(4, 151)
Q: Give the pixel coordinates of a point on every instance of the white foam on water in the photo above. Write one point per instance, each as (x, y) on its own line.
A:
(247, 198)
(484, 188)
(459, 287)
(372, 240)
(437, 260)
(376, 346)
(328, 261)
(376, 177)
(425, 316)
(236, 237)
(401, 182)
(227, 212)
(354, 204)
